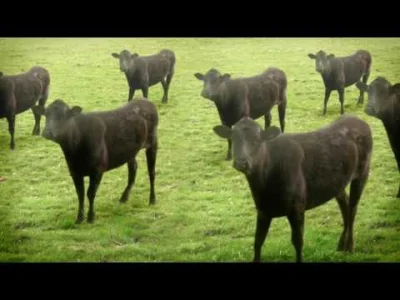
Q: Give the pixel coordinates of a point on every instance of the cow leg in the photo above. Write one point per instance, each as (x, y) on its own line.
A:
(145, 91)
(296, 221)
(364, 80)
(229, 153)
(165, 89)
(11, 130)
(268, 119)
(356, 189)
(95, 180)
(131, 94)
(167, 84)
(263, 224)
(398, 168)
(80, 191)
(327, 95)
(45, 96)
(394, 145)
(398, 193)
(132, 168)
(341, 99)
(282, 112)
(342, 200)
(36, 127)
(151, 156)
(42, 102)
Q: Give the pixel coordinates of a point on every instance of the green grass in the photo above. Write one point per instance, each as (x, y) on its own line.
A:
(204, 212)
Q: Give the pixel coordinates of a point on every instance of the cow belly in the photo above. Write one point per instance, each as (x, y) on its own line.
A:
(325, 187)
(117, 156)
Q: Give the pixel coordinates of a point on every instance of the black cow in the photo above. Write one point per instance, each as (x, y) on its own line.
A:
(289, 174)
(340, 72)
(234, 97)
(96, 142)
(384, 104)
(21, 92)
(142, 72)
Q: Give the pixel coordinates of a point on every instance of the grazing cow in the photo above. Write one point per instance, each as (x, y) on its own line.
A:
(21, 92)
(142, 72)
(341, 72)
(289, 174)
(96, 142)
(384, 104)
(234, 97)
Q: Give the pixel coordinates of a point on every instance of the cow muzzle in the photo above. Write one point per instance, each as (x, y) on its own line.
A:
(242, 165)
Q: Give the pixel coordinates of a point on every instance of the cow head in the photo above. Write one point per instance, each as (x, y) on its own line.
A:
(212, 81)
(322, 61)
(126, 60)
(381, 96)
(247, 137)
(57, 114)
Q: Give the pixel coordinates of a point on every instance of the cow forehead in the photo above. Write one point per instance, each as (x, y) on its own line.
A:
(125, 53)
(380, 82)
(212, 74)
(320, 54)
(246, 124)
(57, 106)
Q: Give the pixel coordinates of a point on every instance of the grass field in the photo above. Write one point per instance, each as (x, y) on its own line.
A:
(204, 212)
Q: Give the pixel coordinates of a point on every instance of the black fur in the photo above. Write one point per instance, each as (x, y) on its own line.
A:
(289, 174)
(253, 96)
(340, 72)
(21, 92)
(142, 72)
(96, 142)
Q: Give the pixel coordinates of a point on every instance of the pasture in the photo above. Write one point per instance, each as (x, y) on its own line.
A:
(204, 210)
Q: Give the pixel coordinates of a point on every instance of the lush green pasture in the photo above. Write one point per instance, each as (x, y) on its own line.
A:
(204, 209)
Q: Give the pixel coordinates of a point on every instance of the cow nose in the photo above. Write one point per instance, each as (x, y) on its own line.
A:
(369, 110)
(204, 94)
(241, 165)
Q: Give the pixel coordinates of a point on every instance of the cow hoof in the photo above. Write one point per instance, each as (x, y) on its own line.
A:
(90, 219)
(79, 220)
(124, 199)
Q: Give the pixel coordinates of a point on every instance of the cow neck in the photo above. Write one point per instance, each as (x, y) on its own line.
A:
(390, 112)
(262, 157)
(69, 135)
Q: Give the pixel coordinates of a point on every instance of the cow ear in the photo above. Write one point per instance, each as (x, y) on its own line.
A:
(395, 89)
(74, 111)
(1, 73)
(312, 56)
(270, 133)
(362, 86)
(330, 56)
(38, 110)
(115, 55)
(134, 55)
(223, 131)
(199, 76)
(225, 77)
